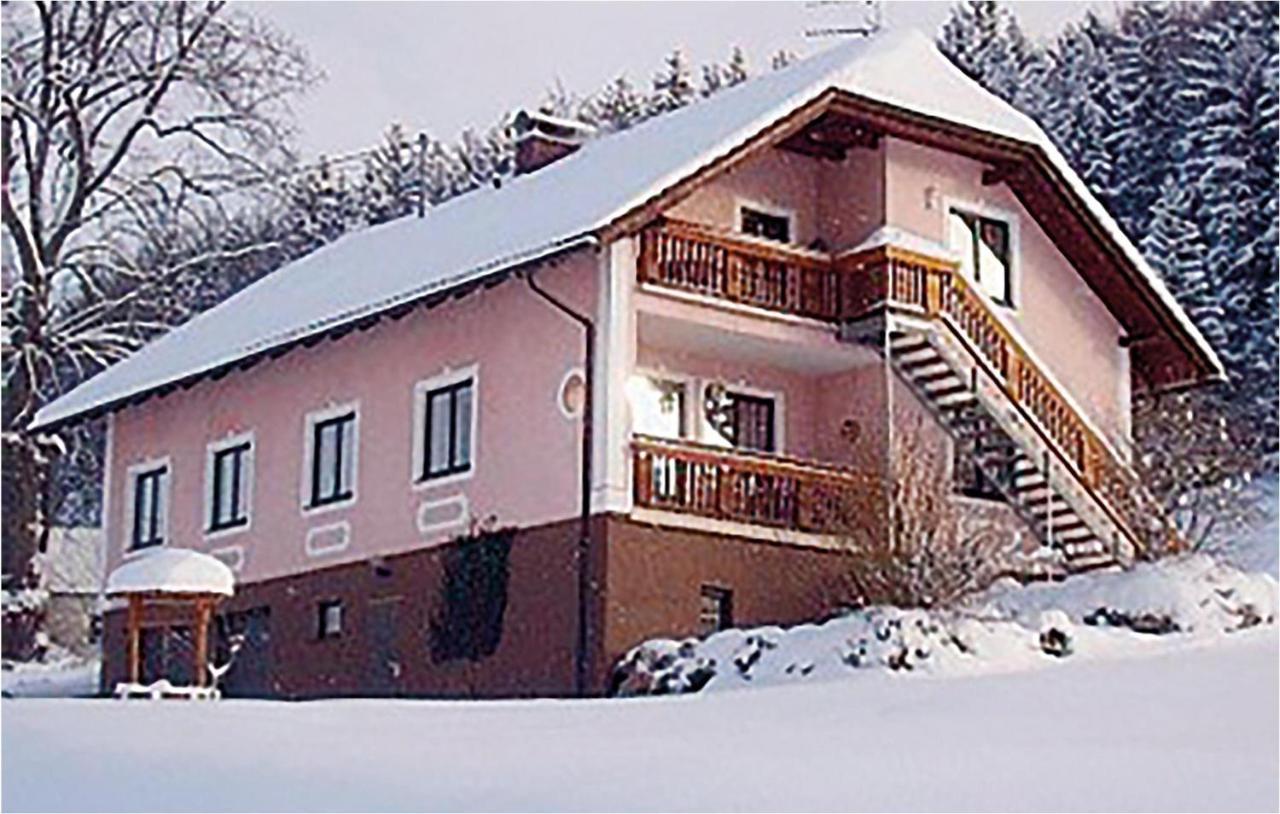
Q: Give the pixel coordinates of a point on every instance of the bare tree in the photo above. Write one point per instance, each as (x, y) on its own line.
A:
(930, 553)
(1199, 454)
(123, 124)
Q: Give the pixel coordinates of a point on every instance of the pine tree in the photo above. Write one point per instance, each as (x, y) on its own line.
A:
(737, 72)
(619, 105)
(672, 85)
(1176, 249)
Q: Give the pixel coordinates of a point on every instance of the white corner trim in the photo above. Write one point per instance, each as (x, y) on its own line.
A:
(425, 526)
(308, 438)
(131, 486)
(317, 547)
(446, 377)
(109, 462)
(246, 484)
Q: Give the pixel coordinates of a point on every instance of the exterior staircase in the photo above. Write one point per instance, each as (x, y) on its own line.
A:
(1058, 473)
(1023, 478)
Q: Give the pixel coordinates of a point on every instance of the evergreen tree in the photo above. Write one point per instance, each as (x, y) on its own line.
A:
(672, 85)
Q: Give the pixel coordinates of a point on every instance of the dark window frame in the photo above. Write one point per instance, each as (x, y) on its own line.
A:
(758, 223)
(322, 618)
(155, 534)
(722, 598)
(976, 222)
(239, 506)
(346, 422)
(452, 467)
(972, 481)
(758, 401)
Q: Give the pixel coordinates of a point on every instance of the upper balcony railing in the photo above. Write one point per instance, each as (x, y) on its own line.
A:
(767, 490)
(701, 260)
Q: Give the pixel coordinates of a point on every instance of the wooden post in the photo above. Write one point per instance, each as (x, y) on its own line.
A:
(202, 640)
(132, 625)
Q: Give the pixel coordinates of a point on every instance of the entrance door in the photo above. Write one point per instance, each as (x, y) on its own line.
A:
(250, 673)
(386, 666)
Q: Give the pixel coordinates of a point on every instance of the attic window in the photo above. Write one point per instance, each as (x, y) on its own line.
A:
(766, 225)
(985, 256)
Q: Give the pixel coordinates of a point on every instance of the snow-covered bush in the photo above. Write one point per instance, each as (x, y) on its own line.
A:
(1009, 626)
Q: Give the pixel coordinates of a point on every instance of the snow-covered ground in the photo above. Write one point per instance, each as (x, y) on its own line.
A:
(68, 677)
(1188, 729)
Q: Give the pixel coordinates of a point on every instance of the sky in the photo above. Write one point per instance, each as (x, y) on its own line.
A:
(441, 67)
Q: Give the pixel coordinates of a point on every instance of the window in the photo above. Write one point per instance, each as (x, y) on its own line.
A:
(657, 407)
(149, 511)
(229, 485)
(766, 225)
(329, 619)
(715, 609)
(448, 422)
(984, 247)
(333, 450)
(752, 422)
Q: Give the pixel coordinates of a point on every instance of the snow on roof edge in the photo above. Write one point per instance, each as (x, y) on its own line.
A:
(171, 571)
(48, 416)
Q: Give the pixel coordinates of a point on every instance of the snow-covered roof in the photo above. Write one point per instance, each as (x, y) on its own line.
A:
(494, 229)
(172, 571)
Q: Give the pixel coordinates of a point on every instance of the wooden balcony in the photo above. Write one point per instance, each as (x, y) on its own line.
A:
(766, 490)
(700, 260)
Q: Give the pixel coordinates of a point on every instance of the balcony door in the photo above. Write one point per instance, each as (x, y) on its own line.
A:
(752, 422)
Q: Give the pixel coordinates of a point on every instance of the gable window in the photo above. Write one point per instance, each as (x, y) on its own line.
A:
(765, 224)
(985, 251)
(150, 494)
(229, 485)
(715, 609)
(657, 407)
(447, 420)
(752, 422)
(332, 444)
(329, 619)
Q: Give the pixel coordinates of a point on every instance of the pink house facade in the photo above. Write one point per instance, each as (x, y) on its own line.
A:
(834, 284)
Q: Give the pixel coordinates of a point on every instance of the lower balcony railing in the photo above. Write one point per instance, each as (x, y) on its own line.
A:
(758, 489)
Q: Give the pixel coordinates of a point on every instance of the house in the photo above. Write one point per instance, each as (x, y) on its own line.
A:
(648, 386)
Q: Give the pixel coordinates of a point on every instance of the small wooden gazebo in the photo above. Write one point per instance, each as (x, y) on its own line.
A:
(170, 586)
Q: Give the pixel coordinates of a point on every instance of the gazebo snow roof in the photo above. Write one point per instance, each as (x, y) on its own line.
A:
(177, 571)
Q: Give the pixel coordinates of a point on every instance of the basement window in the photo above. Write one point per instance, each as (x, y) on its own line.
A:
(765, 224)
(715, 609)
(329, 619)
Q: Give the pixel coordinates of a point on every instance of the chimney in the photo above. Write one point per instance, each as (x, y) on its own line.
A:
(542, 139)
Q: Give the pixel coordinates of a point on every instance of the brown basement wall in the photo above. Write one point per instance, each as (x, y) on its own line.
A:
(648, 584)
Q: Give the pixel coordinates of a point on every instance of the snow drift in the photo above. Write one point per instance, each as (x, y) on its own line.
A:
(1009, 627)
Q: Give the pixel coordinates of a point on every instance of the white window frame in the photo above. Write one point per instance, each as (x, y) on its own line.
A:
(691, 417)
(765, 209)
(308, 441)
(131, 502)
(1015, 245)
(448, 376)
(706, 434)
(246, 483)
